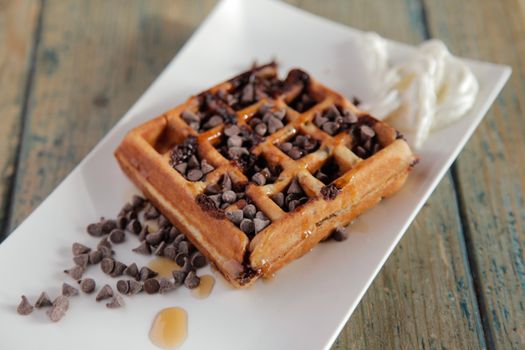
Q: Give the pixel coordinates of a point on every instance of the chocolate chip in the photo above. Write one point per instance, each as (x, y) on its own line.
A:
(229, 196)
(294, 187)
(183, 247)
(160, 249)
(198, 260)
(43, 301)
(192, 280)
(181, 259)
(237, 152)
(104, 293)
(366, 132)
(213, 188)
(170, 252)
(104, 243)
(194, 175)
(79, 248)
(206, 167)
(137, 201)
(295, 153)
(330, 127)
(181, 167)
(75, 272)
(106, 252)
(151, 213)
(118, 270)
(59, 308)
(213, 122)
(165, 286)
(117, 236)
(249, 211)
(179, 277)
(143, 248)
(260, 215)
(122, 222)
(329, 192)
(95, 257)
(131, 215)
(81, 260)
(274, 124)
(259, 179)
(25, 307)
(234, 141)
(134, 287)
(68, 290)
(151, 286)
(134, 226)
(94, 230)
(88, 285)
(107, 265)
(108, 226)
(155, 238)
(259, 224)
(292, 204)
(123, 286)
(360, 152)
(146, 273)
(126, 208)
(247, 226)
(226, 182)
(116, 302)
(286, 147)
(132, 270)
(231, 130)
(261, 129)
(339, 234)
(319, 120)
(193, 162)
(143, 233)
(278, 198)
(235, 216)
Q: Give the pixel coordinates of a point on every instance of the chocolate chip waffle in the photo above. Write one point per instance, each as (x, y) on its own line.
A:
(257, 170)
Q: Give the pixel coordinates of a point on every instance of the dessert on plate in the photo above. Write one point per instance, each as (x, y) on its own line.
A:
(257, 170)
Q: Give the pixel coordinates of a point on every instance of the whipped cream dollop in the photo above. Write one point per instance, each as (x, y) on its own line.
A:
(426, 91)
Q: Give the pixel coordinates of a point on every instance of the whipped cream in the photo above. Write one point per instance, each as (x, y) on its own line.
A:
(426, 91)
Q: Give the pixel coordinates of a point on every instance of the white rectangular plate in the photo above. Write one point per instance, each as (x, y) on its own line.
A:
(310, 300)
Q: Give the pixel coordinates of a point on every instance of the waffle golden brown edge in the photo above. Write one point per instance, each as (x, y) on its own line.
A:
(257, 170)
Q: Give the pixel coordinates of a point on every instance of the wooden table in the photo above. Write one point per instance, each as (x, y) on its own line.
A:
(70, 69)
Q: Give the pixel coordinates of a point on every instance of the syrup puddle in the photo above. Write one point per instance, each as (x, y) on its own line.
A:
(170, 328)
(205, 287)
(163, 266)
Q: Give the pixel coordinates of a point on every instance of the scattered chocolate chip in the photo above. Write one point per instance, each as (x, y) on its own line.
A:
(137, 201)
(143, 248)
(259, 179)
(104, 243)
(192, 280)
(151, 213)
(107, 265)
(81, 260)
(231, 130)
(198, 260)
(116, 302)
(183, 247)
(165, 286)
(79, 249)
(88, 285)
(106, 252)
(68, 290)
(146, 273)
(43, 301)
(117, 236)
(329, 192)
(122, 222)
(339, 234)
(181, 167)
(143, 233)
(229, 196)
(181, 259)
(25, 307)
(134, 226)
(278, 198)
(179, 277)
(59, 308)
(118, 269)
(123, 286)
(259, 224)
(95, 230)
(132, 270)
(155, 238)
(108, 226)
(366, 132)
(134, 287)
(95, 257)
(247, 226)
(151, 286)
(105, 293)
(75, 272)
(163, 221)
(170, 252)
(159, 251)
(235, 216)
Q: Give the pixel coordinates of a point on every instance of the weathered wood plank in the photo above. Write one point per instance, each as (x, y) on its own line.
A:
(490, 171)
(94, 60)
(18, 21)
(423, 298)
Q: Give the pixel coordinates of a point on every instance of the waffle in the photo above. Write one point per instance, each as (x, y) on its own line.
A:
(320, 166)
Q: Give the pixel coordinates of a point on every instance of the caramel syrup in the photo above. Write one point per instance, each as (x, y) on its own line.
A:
(163, 266)
(170, 328)
(205, 287)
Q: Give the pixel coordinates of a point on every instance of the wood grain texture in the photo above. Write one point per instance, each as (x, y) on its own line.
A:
(423, 297)
(94, 60)
(490, 171)
(18, 21)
